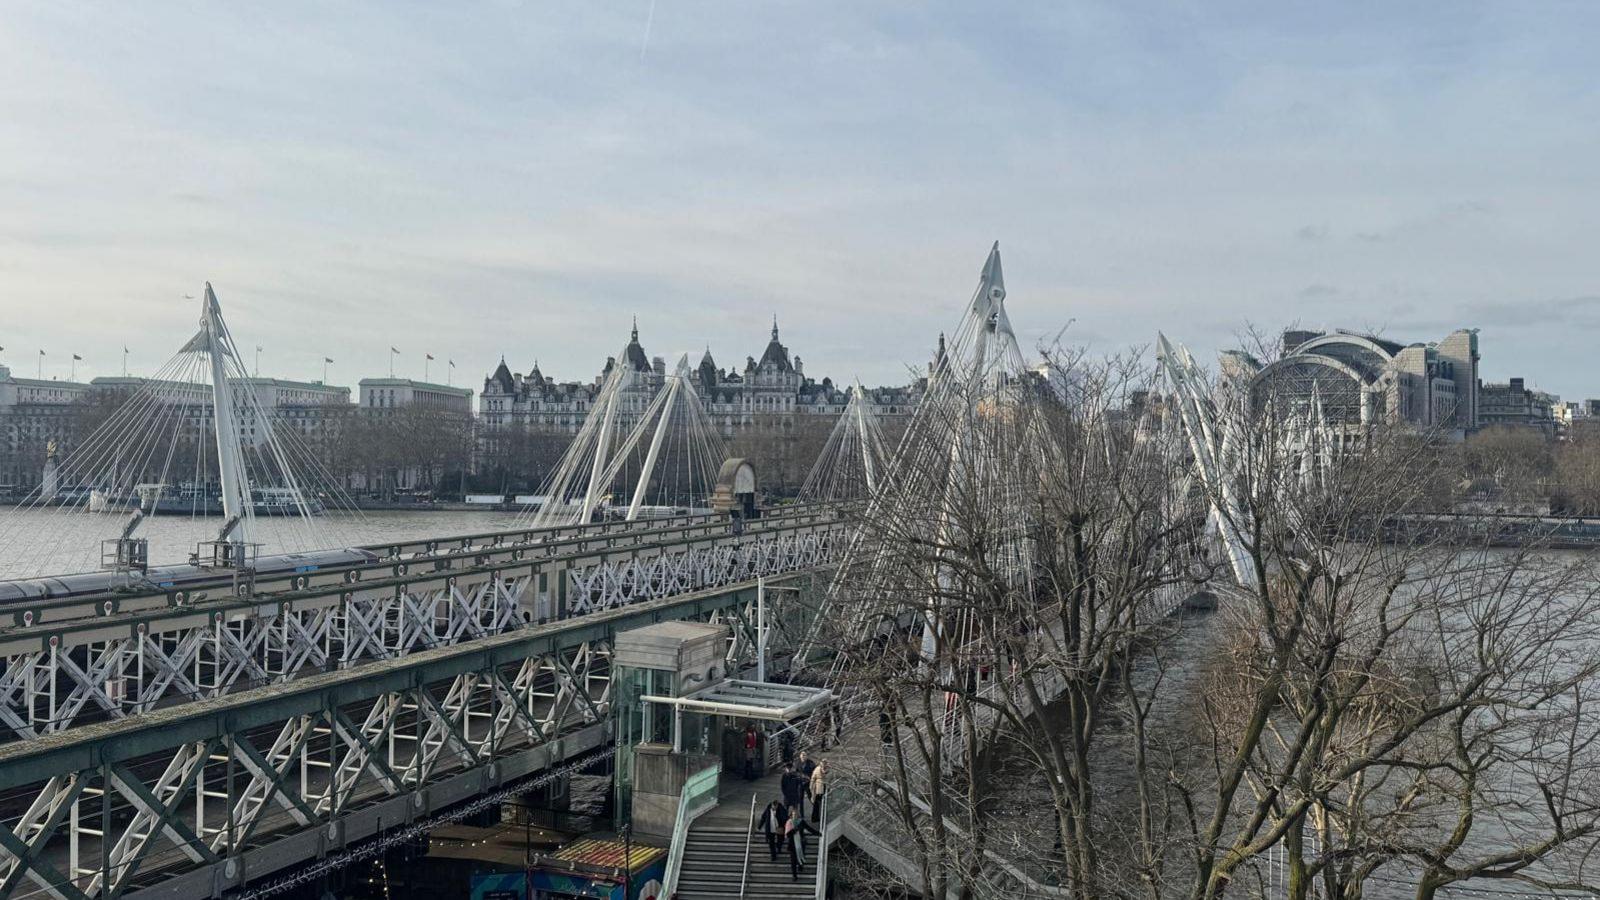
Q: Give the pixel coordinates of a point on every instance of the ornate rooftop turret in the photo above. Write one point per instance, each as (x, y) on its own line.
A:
(776, 354)
(502, 377)
(634, 354)
(707, 370)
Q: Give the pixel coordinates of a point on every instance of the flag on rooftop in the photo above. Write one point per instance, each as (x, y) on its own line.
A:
(77, 357)
(428, 355)
(326, 360)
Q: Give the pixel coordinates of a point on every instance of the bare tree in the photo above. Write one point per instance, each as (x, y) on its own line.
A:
(1389, 709)
(1376, 704)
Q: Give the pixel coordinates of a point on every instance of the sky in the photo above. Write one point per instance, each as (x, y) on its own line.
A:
(474, 180)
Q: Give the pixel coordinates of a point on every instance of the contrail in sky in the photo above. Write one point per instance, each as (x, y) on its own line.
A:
(648, 21)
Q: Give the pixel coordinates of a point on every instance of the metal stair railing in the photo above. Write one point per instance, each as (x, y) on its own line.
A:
(996, 876)
(749, 832)
(691, 803)
(822, 846)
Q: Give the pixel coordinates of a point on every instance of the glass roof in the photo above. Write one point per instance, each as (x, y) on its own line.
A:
(751, 700)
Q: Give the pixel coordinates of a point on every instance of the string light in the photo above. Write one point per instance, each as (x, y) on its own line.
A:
(310, 874)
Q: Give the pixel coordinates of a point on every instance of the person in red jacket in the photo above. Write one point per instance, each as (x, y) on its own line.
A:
(752, 749)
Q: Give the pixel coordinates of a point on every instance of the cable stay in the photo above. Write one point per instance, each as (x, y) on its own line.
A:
(853, 457)
(195, 439)
(953, 470)
(631, 463)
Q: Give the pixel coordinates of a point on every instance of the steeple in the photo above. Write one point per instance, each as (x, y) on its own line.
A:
(633, 354)
(776, 354)
(502, 377)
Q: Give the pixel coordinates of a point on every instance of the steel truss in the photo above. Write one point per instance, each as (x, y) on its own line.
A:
(699, 567)
(94, 832)
(213, 788)
(97, 673)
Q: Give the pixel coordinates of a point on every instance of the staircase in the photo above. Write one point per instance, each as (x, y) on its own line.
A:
(713, 860)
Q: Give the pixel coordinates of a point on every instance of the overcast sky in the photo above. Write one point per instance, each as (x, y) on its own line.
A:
(521, 179)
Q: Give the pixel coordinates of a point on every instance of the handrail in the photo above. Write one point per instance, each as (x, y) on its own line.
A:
(744, 877)
(1006, 866)
(822, 847)
(694, 790)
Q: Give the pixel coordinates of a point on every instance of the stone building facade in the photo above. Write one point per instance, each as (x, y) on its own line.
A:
(1512, 403)
(36, 414)
(774, 386)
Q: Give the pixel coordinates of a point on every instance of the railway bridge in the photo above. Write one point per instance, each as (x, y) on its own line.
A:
(275, 727)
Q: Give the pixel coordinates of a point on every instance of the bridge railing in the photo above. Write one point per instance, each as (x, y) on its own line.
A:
(57, 675)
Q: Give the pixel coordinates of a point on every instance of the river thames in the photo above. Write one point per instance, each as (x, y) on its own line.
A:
(62, 540)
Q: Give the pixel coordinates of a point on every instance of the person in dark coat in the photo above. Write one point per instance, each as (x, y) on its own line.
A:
(804, 765)
(773, 820)
(793, 786)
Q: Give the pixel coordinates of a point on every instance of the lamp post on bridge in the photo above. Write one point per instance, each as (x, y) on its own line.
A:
(761, 624)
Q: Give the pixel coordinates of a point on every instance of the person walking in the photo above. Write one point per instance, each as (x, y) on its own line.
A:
(819, 784)
(794, 787)
(795, 841)
(803, 766)
(752, 746)
(773, 821)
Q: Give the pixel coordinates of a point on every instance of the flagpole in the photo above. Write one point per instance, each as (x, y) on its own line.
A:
(426, 359)
(73, 373)
(124, 362)
(258, 361)
(41, 365)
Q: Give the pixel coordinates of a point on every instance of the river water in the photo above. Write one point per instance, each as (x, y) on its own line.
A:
(1023, 820)
(62, 539)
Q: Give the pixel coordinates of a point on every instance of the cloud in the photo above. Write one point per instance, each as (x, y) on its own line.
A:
(515, 179)
(1543, 315)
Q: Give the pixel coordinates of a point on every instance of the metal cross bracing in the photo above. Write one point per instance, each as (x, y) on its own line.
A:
(401, 558)
(698, 566)
(201, 796)
(58, 675)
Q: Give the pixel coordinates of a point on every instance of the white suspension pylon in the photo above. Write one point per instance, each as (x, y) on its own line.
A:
(853, 458)
(867, 429)
(214, 340)
(1213, 444)
(608, 419)
(682, 441)
(675, 384)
